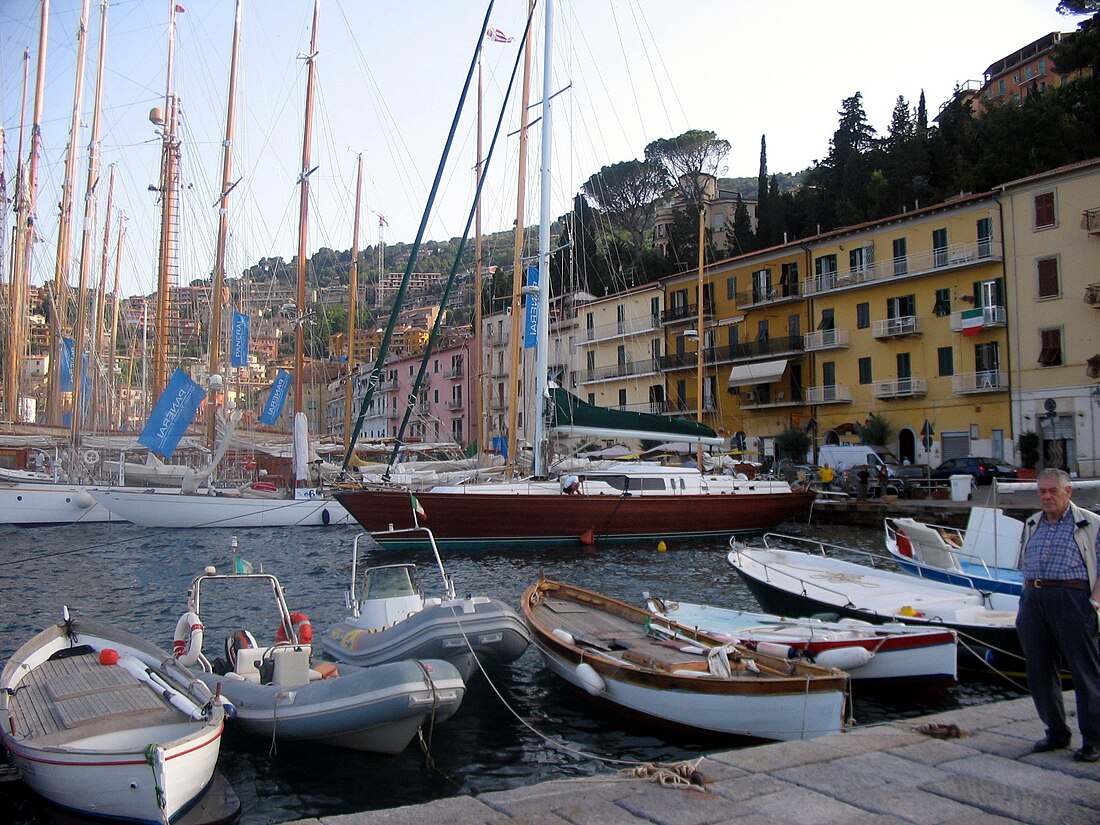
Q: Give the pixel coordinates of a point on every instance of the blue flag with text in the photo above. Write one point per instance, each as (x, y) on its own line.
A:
(276, 400)
(174, 411)
(531, 312)
(238, 357)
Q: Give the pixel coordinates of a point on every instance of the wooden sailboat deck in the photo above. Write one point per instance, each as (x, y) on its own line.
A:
(75, 697)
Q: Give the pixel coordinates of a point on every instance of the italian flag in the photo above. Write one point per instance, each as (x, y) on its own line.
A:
(417, 508)
(972, 320)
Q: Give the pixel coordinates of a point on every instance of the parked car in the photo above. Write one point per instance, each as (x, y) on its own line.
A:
(912, 477)
(983, 468)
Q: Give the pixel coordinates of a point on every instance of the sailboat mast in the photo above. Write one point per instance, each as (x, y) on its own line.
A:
(700, 339)
(86, 234)
(543, 322)
(479, 405)
(303, 215)
(17, 291)
(223, 229)
(168, 193)
(517, 257)
(114, 393)
(59, 299)
(353, 305)
(98, 388)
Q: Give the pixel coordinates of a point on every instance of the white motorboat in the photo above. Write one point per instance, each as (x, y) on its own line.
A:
(101, 722)
(389, 618)
(279, 693)
(893, 653)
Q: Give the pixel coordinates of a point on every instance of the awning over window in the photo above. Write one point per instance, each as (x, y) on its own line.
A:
(763, 373)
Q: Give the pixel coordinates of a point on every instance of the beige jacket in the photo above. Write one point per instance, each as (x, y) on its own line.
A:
(1085, 532)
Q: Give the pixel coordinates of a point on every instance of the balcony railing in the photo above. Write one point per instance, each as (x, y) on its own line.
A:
(625, 328)
(769, 295)
(945, 258)
(900, 388)
(756, 399)
(991, 317)
(499, 404)
(829, 394)
(622, 370)
(687, 312)
(498, 340)
(748, 351)
(455, 371)
(454, 404)
(825, 339)
(1090, 221)
(969, 383)
(901, 327)
(655, 407)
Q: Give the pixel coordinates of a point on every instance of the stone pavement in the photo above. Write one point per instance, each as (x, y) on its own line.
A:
(888, 773)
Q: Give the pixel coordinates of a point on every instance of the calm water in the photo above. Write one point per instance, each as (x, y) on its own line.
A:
(138, 578)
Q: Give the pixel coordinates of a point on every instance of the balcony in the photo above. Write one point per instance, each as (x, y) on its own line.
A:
(971, 383)
(1092, 295)
(655, 407)
(956, 256)
(829, 394)
(903, 327)
(748, 351)
(900, 388)
(498, 340)
(758, 296)
(991, 317)
(456, 371)
(756, 399)
(388, 385)
(621, 329)
(499, 405)
(825, 339)
(1090, 221)
(454, 404)
(647, 366)
(687, 313)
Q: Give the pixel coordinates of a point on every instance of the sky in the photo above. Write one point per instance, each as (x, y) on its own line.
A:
(389, 76)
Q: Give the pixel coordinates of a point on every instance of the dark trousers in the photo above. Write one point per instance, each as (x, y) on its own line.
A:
(1058, 627)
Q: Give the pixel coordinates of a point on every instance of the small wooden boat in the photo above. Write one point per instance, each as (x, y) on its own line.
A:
(982, 556)
(814, 580)
(627, 659)
(868, 652)
(279, 693)
(389, 618)
(101, 722)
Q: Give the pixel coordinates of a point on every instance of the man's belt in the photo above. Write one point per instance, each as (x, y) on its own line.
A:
(1072, 584)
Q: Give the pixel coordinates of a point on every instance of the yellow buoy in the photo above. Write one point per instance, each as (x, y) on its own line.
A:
(661, 547)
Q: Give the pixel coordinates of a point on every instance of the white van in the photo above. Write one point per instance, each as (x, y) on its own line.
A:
(846, 456)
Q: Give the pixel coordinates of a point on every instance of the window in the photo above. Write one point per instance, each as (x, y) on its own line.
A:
(942, 307)
(825, 267)
(863, 315)
(655, 310)
(681, 394)
(1044, 210)
(456, 429)
(828, 320)
(731, 288)
(947, 360)
(1001, 86)
(901, 259)
(865, 370)
(762, 285)
(987, 363)
(622, 399)
(589, 325)
(828, 381)
(1048, 277)
(435, 366)
(788, 278)
(939, 247)
(985, 237)
(861, 260)
(719, 221)
(620, 319)
(762, 331)
(592, 398)
(655, 350)
(620, 355)
(435, 396)
(1050, 347)
(590, 361)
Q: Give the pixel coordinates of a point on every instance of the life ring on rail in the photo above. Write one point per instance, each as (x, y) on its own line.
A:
(90, 458)
(187, 640)
(302, 629)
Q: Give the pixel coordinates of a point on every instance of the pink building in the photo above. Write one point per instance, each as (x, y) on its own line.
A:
(443, 408)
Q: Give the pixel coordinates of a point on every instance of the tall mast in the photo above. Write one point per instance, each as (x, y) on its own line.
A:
(59, 299)
(700, 339)
(303, 215)
(517, 257)
(86, 236)
(114, 405)
(478, 404)
(17, 280)
(101, 305)
(169, 183)
(543, 324)
(223, 229)
(353, 306)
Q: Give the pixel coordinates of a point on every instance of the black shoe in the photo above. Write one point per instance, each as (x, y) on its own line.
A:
(1051, 743)
(1088, 753)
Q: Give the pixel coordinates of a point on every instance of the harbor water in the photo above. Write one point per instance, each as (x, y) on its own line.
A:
(519, 727)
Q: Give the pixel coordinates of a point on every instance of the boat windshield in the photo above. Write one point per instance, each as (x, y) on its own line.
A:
(389, 582)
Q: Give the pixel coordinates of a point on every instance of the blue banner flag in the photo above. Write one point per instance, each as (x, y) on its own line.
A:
(531, 312)
(174, 411)
(280, 389)
(68, 360)
(239, 355)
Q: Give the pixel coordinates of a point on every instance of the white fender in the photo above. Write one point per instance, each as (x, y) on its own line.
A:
(775, 649)
(564, 636)
(187, 640)
(84, 500)
(591, 681)
(845, 658)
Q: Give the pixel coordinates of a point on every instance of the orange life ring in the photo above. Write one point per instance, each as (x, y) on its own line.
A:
(187, 640)
(303, 630)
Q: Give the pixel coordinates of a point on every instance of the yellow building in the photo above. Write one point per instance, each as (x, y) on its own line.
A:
(1052, 232)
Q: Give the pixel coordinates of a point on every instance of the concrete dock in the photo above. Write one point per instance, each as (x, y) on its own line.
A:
(894, 772)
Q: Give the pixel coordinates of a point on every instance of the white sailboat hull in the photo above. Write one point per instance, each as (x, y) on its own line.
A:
(38, 504)
(171, 508)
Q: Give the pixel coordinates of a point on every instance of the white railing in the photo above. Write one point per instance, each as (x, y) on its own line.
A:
(991, 317)
(894, 327)
(900, 388)
(985, 381)
(625, 328)
(829, 394)
(826, 339)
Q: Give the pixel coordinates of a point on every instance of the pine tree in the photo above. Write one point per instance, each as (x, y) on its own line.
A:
(765, 227)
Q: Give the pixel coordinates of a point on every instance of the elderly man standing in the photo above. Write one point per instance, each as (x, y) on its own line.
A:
(1057, 621)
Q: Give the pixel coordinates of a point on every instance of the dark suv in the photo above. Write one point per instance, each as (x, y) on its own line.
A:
(983, 469)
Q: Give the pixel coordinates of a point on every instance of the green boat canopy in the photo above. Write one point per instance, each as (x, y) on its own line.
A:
(573, 417)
